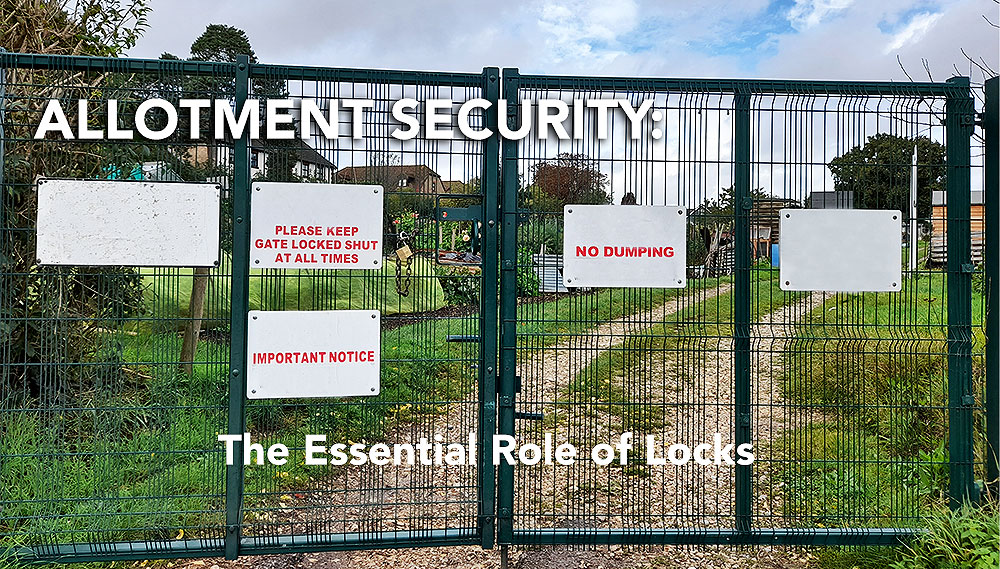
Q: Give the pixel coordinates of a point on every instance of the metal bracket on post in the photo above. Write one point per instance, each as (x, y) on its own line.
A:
(238, 314)
(508, 308)
(488, 309)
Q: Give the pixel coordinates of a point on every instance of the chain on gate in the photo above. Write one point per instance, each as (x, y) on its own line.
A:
(404, 264)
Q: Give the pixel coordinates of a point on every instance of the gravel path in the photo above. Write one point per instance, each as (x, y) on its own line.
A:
(692, 386)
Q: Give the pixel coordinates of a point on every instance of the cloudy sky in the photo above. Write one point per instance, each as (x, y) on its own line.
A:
(801, 39)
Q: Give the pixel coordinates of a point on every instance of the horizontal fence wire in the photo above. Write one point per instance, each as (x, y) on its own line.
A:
(849, 404)
(108, 436)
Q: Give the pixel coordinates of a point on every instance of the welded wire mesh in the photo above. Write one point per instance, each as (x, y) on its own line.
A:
(429, 386)
(848, 404)
(105, 437)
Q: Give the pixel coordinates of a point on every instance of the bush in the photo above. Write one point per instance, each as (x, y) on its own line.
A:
(540, 231)
(459, 283)
(964, 538)
(527, 280)
(885, 386)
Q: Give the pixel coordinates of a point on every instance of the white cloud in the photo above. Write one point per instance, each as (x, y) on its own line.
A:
(573, 29)
(827, 39)
(806, 14)
(913, 32)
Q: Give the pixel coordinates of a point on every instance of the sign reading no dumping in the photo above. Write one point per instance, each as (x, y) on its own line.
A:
(315, 226)
(624, 246)
(316, 353)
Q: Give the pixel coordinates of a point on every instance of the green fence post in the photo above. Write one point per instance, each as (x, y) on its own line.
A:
(238, 313)
(961, 399)
(488, 312)
(741, 297)
(508, 307)
(991, 129)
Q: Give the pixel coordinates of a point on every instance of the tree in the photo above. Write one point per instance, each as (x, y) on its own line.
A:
(220, 42)
(86, 298)
(568, 179)
(878, 172)
(224, 43)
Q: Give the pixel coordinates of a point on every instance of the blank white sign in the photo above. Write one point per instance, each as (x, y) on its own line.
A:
(841, 250)
(624, 246)
(129, 223)
(316, 353)
(315, 226)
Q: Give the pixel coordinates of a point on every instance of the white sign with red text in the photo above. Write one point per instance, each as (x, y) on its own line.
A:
(314, 353)
(315, 226)
(624, 246)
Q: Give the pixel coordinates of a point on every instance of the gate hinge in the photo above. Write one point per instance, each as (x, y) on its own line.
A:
(506, 401)
(747, 203)
(968, 400)
(968, 268)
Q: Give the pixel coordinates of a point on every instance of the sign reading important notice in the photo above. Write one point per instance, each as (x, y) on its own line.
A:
(624, 246)
(127, 223)
(315, 353)
(315, 226)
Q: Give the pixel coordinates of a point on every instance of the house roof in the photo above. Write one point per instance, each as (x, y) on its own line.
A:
(303, 152)
(306, 153)
(418, 172)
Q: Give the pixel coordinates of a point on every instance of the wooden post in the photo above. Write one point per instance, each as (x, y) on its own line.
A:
(196, 310)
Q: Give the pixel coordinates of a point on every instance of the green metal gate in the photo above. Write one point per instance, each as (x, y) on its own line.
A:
(863, 409)
(840, 394)
(110, 446)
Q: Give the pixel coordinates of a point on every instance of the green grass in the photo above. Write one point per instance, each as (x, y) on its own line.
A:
(695, 331)
(168, 292)
(142, 436)
(965, 538)
(871, 369)
(141, 450)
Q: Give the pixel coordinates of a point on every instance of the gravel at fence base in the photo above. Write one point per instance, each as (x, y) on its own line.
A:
(614, 557)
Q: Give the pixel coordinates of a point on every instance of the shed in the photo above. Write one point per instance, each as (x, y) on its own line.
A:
(549, 269)
(939, 226)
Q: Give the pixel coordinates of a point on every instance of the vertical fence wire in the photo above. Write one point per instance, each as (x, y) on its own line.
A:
(109, 442)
